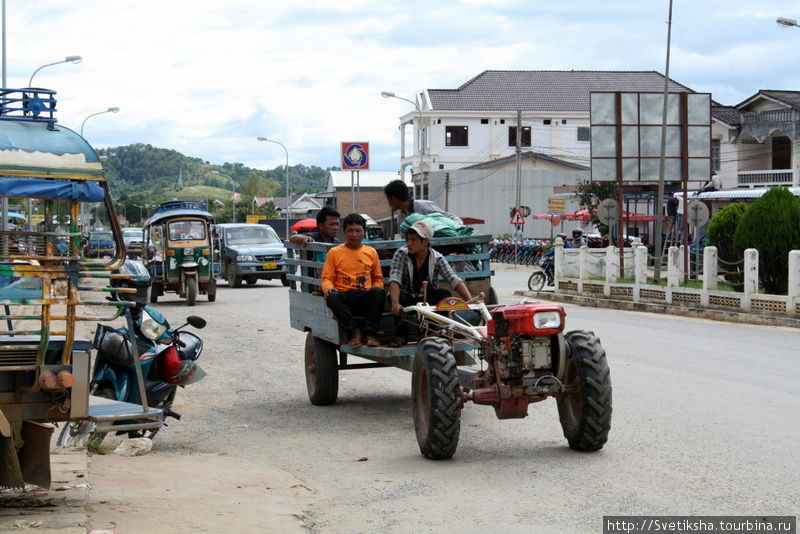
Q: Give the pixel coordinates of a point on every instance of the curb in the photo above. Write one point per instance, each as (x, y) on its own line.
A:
(699, 313)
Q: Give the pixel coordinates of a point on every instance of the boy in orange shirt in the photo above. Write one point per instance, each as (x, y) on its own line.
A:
(352, 283)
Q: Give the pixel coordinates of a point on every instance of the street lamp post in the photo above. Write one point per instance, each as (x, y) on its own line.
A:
(112, 109)
(288, 196)
(68, 59)
(420, 139)
(787, 22)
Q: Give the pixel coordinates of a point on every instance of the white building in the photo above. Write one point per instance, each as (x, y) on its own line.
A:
(477, 122)
(757, 142)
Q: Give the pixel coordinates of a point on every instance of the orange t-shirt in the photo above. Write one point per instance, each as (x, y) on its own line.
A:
(347, 268)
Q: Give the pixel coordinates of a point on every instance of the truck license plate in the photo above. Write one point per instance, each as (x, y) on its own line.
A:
(270, 266)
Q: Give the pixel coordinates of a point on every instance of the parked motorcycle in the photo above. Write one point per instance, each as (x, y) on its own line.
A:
(167, 358)
(543, 276)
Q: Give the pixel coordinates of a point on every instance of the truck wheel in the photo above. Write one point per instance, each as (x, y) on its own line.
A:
(284, 280)
(585, 409)
(322, 371)
(437, 399)
(191, 291)
(79, 433)
(230, 276)
(212, 290)
(537, 281)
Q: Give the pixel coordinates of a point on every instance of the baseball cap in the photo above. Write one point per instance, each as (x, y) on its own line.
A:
(422, 229)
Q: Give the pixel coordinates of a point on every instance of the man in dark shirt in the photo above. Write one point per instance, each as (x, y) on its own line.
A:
(672, 214)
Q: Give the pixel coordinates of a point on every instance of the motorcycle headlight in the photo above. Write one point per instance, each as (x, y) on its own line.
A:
(546, 320)
(151, 328)
(245, 257)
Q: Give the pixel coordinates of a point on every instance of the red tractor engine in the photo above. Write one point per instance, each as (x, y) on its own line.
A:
(524, 352)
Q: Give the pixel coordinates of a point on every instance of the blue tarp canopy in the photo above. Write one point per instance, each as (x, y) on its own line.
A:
(51, 189)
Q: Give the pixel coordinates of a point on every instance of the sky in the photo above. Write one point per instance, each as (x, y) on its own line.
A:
(206, 78)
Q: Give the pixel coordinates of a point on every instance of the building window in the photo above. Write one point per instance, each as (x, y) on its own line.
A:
(484, 121)
(502, 121)
(584, 133)
(563, 121)
(525, 140)
(546, 122)
(715, 144)
(456, 136)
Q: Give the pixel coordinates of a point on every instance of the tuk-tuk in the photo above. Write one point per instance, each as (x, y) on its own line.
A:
(47, 286)
(183, 260)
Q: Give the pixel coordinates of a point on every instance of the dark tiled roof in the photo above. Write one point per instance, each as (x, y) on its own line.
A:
(789, 97)
(727, 114)
(542, 90)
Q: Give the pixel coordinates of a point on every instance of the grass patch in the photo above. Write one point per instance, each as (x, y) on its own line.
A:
(95, 446)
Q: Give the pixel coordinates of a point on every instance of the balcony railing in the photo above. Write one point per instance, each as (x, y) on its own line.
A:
(766, 178)
(770, 117)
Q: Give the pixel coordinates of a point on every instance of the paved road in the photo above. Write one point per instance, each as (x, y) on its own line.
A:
(705, 422)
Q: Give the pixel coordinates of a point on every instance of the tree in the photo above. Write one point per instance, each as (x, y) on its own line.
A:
(771, 226)
(590, 194)
(721, 231)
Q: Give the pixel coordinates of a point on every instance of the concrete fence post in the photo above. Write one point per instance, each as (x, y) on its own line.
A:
(794, 281)
(639, 271)
(673, 267)
(558, 259)
(750, 277)
(710, 268)
(612, 270)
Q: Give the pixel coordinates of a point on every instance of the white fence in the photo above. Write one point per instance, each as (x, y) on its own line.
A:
(595, 272)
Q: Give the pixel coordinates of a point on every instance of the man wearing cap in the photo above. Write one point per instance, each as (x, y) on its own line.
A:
(414, 264)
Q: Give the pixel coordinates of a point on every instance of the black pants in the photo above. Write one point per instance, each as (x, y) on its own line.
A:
(361, 302)
(407, 299)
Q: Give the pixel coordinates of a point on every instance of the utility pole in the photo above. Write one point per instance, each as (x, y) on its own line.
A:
(661, 169)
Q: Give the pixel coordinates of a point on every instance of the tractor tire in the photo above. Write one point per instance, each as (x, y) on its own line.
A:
(437, 399)
(322, 371)
(537, 281)
(230, 276)
(191, 291)
(585, 409)
(79, 433)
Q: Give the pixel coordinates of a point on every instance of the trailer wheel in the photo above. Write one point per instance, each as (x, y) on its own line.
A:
(585, 409)
(437, 399)
(79, 433)
(322, 371)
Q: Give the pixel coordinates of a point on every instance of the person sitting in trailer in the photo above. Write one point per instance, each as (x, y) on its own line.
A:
(412, 265)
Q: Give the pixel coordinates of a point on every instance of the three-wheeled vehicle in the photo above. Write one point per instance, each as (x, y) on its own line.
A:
(506, 357)
(47, 287)
(183, 259)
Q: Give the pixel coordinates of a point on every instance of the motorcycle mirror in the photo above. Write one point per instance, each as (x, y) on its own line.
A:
(196, 321)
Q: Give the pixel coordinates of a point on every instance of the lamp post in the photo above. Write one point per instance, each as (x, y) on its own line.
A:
(112, 109)
(68, 59)
(288, 196)
(787, 22)
(420, 139)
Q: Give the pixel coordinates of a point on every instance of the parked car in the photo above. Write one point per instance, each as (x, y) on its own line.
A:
(250, 252)
(100, 243)
(134, 242)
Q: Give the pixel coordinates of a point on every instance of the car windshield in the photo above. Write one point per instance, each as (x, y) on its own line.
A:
(100, 236)
(256, 235)
(187, 230)
(133, 232)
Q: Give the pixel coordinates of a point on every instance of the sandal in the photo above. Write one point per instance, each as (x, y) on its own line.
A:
(372, 342)
(355, 342)
(398, 342)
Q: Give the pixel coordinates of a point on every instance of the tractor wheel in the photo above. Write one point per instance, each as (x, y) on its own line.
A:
(79, 433)
(230, 276)
(322, 371)
(537, 281)
(191, 291)
(585, 408)
(211, 291)
(437, 399)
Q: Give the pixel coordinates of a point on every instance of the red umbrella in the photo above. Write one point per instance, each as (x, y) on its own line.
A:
(305, 225)
(580, 215)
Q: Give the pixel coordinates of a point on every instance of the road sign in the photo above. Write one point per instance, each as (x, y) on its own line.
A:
(698, 213)
(517, 218)
(556, 205)
(355, 156)
(608, 212)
